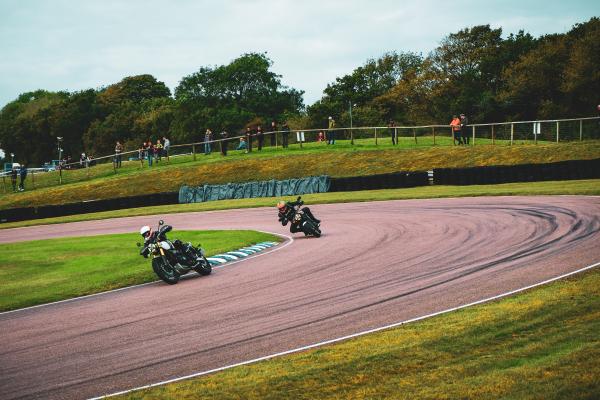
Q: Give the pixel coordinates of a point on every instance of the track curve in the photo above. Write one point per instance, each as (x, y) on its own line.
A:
(376, 264)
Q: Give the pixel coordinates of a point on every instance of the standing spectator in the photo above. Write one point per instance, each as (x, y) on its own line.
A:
(260, 136)
(393, 131)
(82, 160)
(23, 175)
(207, 140)
(331, 131)
(224, 142)
(13, 177)
(149, 152)
(248, 140)
(118, 151)
(455, 124)
(285, 134)
(158, 149)
(273, 129)
(141, 151)
(464, 121)
(166, 146)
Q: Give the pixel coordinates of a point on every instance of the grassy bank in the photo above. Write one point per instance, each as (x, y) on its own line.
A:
(542, 344)
(578, 187)
(337, 161)
(43, 271)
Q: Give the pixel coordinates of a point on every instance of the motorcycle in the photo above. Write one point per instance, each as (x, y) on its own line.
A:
(302, 219)
(171, 259)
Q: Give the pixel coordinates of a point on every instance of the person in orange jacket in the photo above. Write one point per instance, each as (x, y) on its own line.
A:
(455, 124)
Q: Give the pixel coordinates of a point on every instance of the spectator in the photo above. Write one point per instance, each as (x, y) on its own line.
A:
(248, 140)
(207, 140)
(320, 136)
(393, 131)
(331, 132)
(455, 124)
(273, 135)
(141, 151)
(464, 121)
(82, 160)
(285, 135)
(149, 152)
(13, 178)
(260, 136)
(158, 150)
(118, 151)
(166, 147)
(23, 175)
(224, 142)
(242, 145)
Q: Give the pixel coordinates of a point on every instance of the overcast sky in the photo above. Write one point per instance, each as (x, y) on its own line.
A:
(80, 44)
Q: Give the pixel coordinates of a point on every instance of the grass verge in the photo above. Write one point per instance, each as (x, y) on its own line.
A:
(44, 271)
(336, 161)
(541, 344)
(577, 187)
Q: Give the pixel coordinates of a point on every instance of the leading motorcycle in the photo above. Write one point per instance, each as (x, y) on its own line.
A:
(301, 218)
(171, 259)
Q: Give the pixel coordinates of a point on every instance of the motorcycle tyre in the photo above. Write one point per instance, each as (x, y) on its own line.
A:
(158, 265)
(204, 268)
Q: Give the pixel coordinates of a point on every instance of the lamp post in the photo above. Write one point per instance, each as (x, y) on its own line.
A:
(12, 159)
(58, 140)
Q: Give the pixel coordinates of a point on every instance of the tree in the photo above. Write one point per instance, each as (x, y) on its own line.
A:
(228, 96)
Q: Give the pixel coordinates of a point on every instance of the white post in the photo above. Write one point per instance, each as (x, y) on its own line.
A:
(473, 135)
(557, 130)
(580, 130)
(512, 132)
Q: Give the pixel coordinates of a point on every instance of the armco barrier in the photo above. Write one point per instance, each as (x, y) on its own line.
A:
(562, 170)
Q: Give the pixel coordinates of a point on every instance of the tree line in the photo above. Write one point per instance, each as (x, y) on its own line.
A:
(475, 71)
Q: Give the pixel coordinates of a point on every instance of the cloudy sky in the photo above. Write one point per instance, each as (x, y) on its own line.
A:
(79, 44)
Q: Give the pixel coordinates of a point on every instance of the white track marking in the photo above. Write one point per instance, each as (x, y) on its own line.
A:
(354, 335)
(290, 240)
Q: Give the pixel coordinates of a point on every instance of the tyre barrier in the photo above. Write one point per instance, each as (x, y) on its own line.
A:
(49, 211)
(562, 170)
(380, 181)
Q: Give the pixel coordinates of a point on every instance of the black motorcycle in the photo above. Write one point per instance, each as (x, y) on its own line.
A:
(301, 218)
(171, 259)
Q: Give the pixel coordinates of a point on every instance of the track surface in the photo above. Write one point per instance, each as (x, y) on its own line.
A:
(377, 263)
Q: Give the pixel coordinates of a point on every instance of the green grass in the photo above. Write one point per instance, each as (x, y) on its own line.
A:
(576, 187)
(340, 160)
(43, 271)
(541, 344)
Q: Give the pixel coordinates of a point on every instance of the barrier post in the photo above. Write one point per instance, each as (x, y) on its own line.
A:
(580, 130)
(33, 178)
(352, 136)
(557, 130)
(415, 134)
(473, 134)
(194, 152)
(4, 183)
(60, 175)
(375, 136)
(433, 133)
(493, 138)
(512, 132)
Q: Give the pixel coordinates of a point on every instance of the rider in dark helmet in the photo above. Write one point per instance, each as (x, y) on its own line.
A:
(286, 214)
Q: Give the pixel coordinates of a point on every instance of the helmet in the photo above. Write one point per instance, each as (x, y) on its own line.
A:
(281, 204)
(145, 231)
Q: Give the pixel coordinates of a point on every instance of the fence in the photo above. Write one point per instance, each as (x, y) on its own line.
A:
(503, 133)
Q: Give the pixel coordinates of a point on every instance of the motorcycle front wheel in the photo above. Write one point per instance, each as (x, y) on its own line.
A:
(165, 271)
(203, 267)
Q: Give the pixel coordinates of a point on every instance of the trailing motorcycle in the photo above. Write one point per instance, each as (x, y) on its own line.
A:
(301, 218)
(171, 259)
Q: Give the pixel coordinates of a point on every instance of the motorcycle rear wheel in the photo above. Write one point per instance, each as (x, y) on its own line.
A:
(165, 271)
(203, 267)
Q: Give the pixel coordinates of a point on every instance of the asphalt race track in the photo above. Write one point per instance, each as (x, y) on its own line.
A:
(377, 263)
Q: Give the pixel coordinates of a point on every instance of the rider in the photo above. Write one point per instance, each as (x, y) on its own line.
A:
(286, 213)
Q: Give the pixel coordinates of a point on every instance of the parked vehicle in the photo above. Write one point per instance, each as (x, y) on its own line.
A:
(171, 259)
(301, 218)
